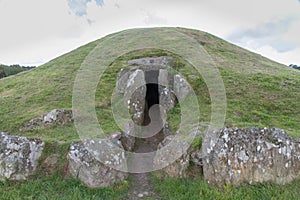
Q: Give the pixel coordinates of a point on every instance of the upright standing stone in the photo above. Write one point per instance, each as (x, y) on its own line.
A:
(135, 95)
(122, 79)
(181, 87)
(166, 96)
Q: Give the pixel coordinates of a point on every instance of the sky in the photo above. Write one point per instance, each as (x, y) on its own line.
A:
(34, 32)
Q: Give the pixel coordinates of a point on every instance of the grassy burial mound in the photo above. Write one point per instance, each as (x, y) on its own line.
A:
(259, 92)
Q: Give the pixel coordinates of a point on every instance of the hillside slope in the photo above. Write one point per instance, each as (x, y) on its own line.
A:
(259, 92)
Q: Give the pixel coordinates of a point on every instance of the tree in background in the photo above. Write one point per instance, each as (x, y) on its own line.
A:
(295, 66)
(2, 73)
(13, 69)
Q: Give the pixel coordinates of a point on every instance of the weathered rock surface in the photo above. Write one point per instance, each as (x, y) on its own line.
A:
(177, 169)
(197, 157)
(166, 129)
(18, 156)
(127, 139)
(122, 79)
(84, 163)
(167, 97)
(115, 138)
(252, 155)
(47, 120)
(181, 87)
(134, 96)
(154, 62)
(49, 165)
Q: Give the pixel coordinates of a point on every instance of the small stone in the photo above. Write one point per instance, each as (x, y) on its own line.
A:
(258, 148)
(115, 135)
(140, 195)
(256, 119)
(192, 76)
(47, 120)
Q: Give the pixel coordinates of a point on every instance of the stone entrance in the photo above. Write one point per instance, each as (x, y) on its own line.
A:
(148, 100)
(148, 87)
(145, 85)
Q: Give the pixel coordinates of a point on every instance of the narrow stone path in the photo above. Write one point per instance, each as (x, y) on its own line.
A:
(141, 186)
(140, 183)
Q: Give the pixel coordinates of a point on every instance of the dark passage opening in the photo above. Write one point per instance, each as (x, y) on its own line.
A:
(152, 94)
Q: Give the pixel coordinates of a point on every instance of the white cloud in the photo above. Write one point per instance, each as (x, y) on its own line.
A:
(152, 19)
(271, 30)
(278, 33)
(290, 57)
(35, 31)
(29, 30)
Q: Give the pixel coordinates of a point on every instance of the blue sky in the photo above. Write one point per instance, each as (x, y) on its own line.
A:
(36, 31)
(79, 7)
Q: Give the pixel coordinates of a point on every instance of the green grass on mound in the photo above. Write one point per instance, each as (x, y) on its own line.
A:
(259, 92)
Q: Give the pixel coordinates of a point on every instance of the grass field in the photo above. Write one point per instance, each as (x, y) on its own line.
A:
(197, 188)
(57, 187)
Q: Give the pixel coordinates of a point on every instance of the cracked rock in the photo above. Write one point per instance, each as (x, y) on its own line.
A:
(18, 156)
(97, 163)
(252, 155)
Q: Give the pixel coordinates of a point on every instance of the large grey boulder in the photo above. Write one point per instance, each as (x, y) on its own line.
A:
(252, 155)
(95, 162)
(18, 156)
(177, 169)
